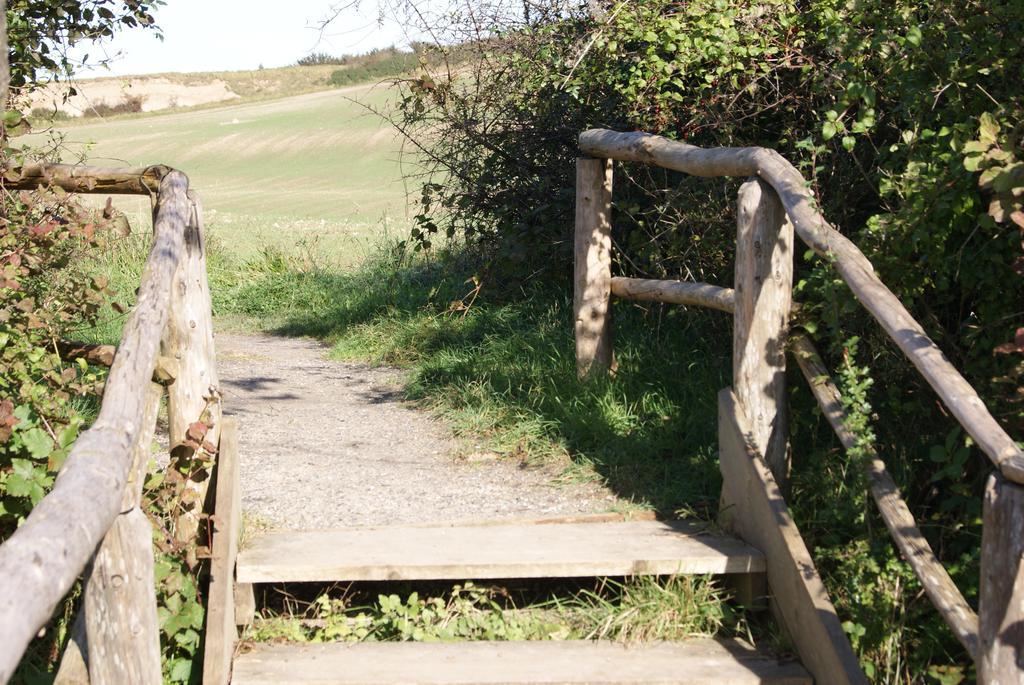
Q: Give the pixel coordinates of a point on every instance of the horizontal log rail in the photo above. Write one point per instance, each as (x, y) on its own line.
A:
(86, 179)
(900, 522)
(771, 167)
(100, 355)
(773, 204)
(903, 529)
(44, 557)
(675, 292)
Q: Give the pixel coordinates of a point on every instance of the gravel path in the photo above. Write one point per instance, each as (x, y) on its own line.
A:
(326, 444)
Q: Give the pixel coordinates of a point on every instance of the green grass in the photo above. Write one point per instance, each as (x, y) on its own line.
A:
(316, 167)
(630, 610)
(505, 371)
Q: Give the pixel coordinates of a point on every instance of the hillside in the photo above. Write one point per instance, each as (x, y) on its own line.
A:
(169, 91)
(318, 166)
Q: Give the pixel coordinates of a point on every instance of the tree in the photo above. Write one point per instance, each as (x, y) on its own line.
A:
(40, 34)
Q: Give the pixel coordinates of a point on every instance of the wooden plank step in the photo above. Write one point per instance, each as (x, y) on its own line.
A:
(458, 552)
(694, 662)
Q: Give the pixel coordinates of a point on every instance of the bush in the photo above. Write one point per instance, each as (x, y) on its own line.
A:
(318, 59)
(906, 119)
(49, 115)
(375, 66)
(132, 104)
(46, 294)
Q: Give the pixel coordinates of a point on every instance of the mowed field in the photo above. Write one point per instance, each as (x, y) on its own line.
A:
(315, 167)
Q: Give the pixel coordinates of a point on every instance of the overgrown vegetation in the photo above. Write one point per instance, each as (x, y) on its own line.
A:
(644, 608)
(375, 65)
(46, 242)
(905, 118)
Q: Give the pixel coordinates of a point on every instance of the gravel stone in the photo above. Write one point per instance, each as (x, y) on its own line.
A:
(326, 444)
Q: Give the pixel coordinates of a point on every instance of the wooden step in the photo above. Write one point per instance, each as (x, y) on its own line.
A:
(694, 662)
(459, 552)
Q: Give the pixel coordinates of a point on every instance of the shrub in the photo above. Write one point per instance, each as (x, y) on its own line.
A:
(318, 59)
(132, 104)
(49, 114)
(46, 293)
(906, 119)
(376, 66)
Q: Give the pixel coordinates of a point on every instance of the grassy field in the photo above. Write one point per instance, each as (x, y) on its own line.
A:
(314, 168)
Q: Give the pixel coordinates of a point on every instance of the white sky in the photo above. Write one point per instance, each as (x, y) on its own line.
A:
(223, 35)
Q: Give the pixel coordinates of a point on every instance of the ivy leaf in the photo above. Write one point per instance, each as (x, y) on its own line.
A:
(828, 130)
(848, 143)
(181, 671)
(17, 486)
(914, 36)
(988, 130)
(38, 443)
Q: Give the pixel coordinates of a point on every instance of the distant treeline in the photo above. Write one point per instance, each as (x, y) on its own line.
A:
(373, 65)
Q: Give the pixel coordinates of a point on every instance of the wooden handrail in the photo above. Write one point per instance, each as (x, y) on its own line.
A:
(849, 261)
(40, 562)
(899, 520)
(86, 179)
(903, 529)
(675, 292)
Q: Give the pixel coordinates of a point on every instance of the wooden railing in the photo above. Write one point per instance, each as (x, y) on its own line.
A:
(92, 517)
(773, 205)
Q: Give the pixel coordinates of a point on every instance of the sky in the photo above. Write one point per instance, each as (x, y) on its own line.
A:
(227, 35)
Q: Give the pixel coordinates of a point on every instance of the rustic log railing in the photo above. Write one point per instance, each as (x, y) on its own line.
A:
(91, 520)
(773, 205)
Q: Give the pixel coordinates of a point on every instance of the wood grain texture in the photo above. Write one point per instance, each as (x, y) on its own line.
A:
(903, 528)
(220, 608)
(694, 662)
(592, 259)
(86, 179)
(1001, 602)
(753, 507)
(123, 634)
(42, 559)
(502, 551)
(74, 662)
(955, 392)
(674, 292)
(245, 604)
(188, 338)
(762, 301)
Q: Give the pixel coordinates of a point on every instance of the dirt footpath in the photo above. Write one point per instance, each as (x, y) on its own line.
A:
(326, 444)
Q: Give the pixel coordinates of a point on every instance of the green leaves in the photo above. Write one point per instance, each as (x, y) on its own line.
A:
(994, 156)
(41, 33)
(914, 36)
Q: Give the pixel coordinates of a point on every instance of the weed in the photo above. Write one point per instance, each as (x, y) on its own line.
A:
(628, 610)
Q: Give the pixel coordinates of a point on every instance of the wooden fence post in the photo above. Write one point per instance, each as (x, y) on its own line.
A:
(122, 632)
(220, 610)
(592, 282)
(764, 295)
(194, 396)
(1001, 603)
